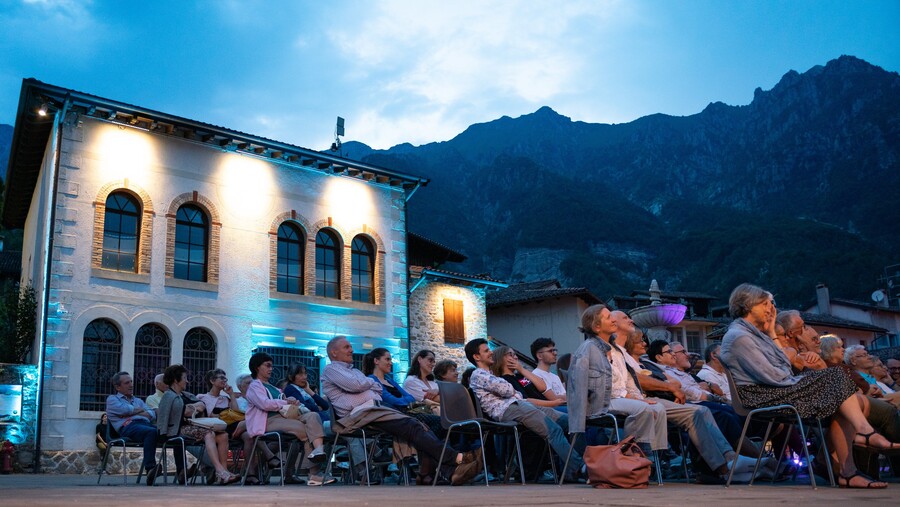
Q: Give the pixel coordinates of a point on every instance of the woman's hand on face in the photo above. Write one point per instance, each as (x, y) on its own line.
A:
(229, 390)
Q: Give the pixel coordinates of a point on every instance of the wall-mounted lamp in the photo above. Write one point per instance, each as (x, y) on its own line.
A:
(42, 112)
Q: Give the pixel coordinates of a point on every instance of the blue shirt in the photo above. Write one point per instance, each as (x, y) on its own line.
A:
(398, 402)
(120, 409)
(314, 403)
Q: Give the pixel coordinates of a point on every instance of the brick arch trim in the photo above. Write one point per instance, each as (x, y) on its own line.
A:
(303, 222)
(380, 269)
(215, 229)
(145, 239)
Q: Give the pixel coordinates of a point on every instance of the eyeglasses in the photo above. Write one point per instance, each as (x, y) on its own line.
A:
(679, 352)
(664, 352)
(552, 351)
(511, 353)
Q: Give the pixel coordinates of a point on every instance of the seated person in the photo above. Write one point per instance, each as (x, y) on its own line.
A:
(134, 420)
(173, 414)
(161, 387)
(800, 343)
(446, 371)
(379, 365)
(219, 397)
(420, 381)
(264, 415)
(357, 403)
(893, 366)
(863, 363)
(763, 377)
(713, 371)
(501, 402)
(544, 351)
(298, 387)
(100, 438)
(533, 388)
(883, 376)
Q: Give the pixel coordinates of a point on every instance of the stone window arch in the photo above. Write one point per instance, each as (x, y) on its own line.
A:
(194, 200)
(144, 217)
(278, 261)
(378, 277)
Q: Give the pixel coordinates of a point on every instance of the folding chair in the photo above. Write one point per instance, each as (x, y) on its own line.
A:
(271, 436)
(458, 411)
(782, 414)
(114, 439)
(366, 434)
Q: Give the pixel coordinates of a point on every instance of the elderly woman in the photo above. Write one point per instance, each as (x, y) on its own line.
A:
(419, 379)
(265, 402)
(172, 420)
(220, 396)
(763, 376)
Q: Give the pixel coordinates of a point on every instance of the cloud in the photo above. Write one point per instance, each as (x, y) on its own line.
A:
(444, 60)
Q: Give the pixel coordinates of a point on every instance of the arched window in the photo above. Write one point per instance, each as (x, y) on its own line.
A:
(199, 358)
(363, 270)
(290, 258)
(121, 225)
(328, 267)
(152, 352)
(100, 360)
(191, 243)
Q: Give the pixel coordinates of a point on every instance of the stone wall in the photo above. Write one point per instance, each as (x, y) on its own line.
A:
(426, 324)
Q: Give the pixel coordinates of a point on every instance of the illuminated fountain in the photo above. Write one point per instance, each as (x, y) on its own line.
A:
(656, 316)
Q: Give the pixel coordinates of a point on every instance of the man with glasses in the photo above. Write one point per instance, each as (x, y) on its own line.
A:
(893, 366)
(859, 359)
(544, 351)
(802, 342)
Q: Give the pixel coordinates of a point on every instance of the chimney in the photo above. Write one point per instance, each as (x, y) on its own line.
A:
(823, 299)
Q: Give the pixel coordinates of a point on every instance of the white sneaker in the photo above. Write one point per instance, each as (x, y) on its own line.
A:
(744, 465)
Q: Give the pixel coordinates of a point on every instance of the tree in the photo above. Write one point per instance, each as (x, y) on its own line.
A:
(18, 321)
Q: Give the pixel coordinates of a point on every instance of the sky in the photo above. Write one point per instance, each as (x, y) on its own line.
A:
(423, 71)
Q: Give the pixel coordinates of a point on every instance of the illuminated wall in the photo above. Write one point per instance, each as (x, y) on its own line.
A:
(239, 310)
(519, 325)
(427, 319)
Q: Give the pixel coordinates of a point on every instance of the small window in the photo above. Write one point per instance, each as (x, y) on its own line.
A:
(328, 272)
(454, 325)
(191, 243)
(121, 226)
(363, 270)
(290, 259)
(100, 359)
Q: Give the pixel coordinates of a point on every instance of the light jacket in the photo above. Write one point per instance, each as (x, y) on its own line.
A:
(261, 403)
(589, 384)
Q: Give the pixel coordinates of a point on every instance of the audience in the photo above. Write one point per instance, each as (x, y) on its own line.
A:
(864, 364)
(801, 342)
(893, 366)
(713, 371)
(173, 420)
(161, 387)
(379, 365)
(764, 377)
(357, 403)
(419, 379)
(220, 396)
(508, 367)
(446, 371)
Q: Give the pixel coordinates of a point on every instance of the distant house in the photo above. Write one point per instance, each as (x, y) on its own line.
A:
(446, 308)
(523, 312)
(870, 324)
(693, 332)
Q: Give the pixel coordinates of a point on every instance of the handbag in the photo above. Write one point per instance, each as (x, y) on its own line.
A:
(289, 411)
(209, 423)
(622, 465)
(230, 416)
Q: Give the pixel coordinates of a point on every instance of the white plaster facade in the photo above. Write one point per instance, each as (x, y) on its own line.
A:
(239, 310)
(519, 325)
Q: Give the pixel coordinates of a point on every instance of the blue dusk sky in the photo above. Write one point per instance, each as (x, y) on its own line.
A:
(422, 71)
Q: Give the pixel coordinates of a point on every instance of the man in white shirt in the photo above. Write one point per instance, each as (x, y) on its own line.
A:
(544, 351)
(713, 372)
(161, 388)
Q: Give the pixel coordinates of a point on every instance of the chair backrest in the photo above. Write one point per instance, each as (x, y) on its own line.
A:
(562, 367)
(456, 405)
(736, 403)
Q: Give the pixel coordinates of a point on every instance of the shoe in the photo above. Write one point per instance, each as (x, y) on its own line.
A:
(226, 477)
(869, 484)
(293, 479)
(465, 472)
(469, 457)
(744, 464)
(320, 480)
(317, 456)
(274, 464)
(866, 436)
(152, 472)
(251, 480)
(183, 478)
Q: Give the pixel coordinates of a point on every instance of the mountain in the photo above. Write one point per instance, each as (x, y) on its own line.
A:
(777, 192)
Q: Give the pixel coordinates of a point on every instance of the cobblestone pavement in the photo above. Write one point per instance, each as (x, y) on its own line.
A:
(31, 490)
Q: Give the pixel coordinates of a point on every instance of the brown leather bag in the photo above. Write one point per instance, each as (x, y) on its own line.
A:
(621, 465)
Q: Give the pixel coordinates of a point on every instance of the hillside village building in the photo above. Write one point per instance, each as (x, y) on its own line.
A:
(152, 239)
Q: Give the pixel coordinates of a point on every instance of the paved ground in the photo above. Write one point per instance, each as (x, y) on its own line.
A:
(63, 490)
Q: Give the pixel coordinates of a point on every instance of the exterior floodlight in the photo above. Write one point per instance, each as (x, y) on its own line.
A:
(43, 110)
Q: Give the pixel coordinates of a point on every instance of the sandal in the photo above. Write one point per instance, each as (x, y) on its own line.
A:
(226, 477)
(251, 480)
(891, 445)
(274, 463)
(869, 485)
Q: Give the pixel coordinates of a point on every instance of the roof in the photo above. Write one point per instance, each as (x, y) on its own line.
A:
(32, 132)
(675, 295)
(865, 305)
(420, 247)
(482, 281)
(537, 291)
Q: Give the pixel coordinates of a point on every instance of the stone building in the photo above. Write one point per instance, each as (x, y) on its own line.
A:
(152, 239)
(447, 309)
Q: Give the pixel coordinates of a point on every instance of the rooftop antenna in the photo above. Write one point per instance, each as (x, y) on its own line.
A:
(338, 132)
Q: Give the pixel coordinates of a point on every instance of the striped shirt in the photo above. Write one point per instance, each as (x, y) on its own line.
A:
(347, 388)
